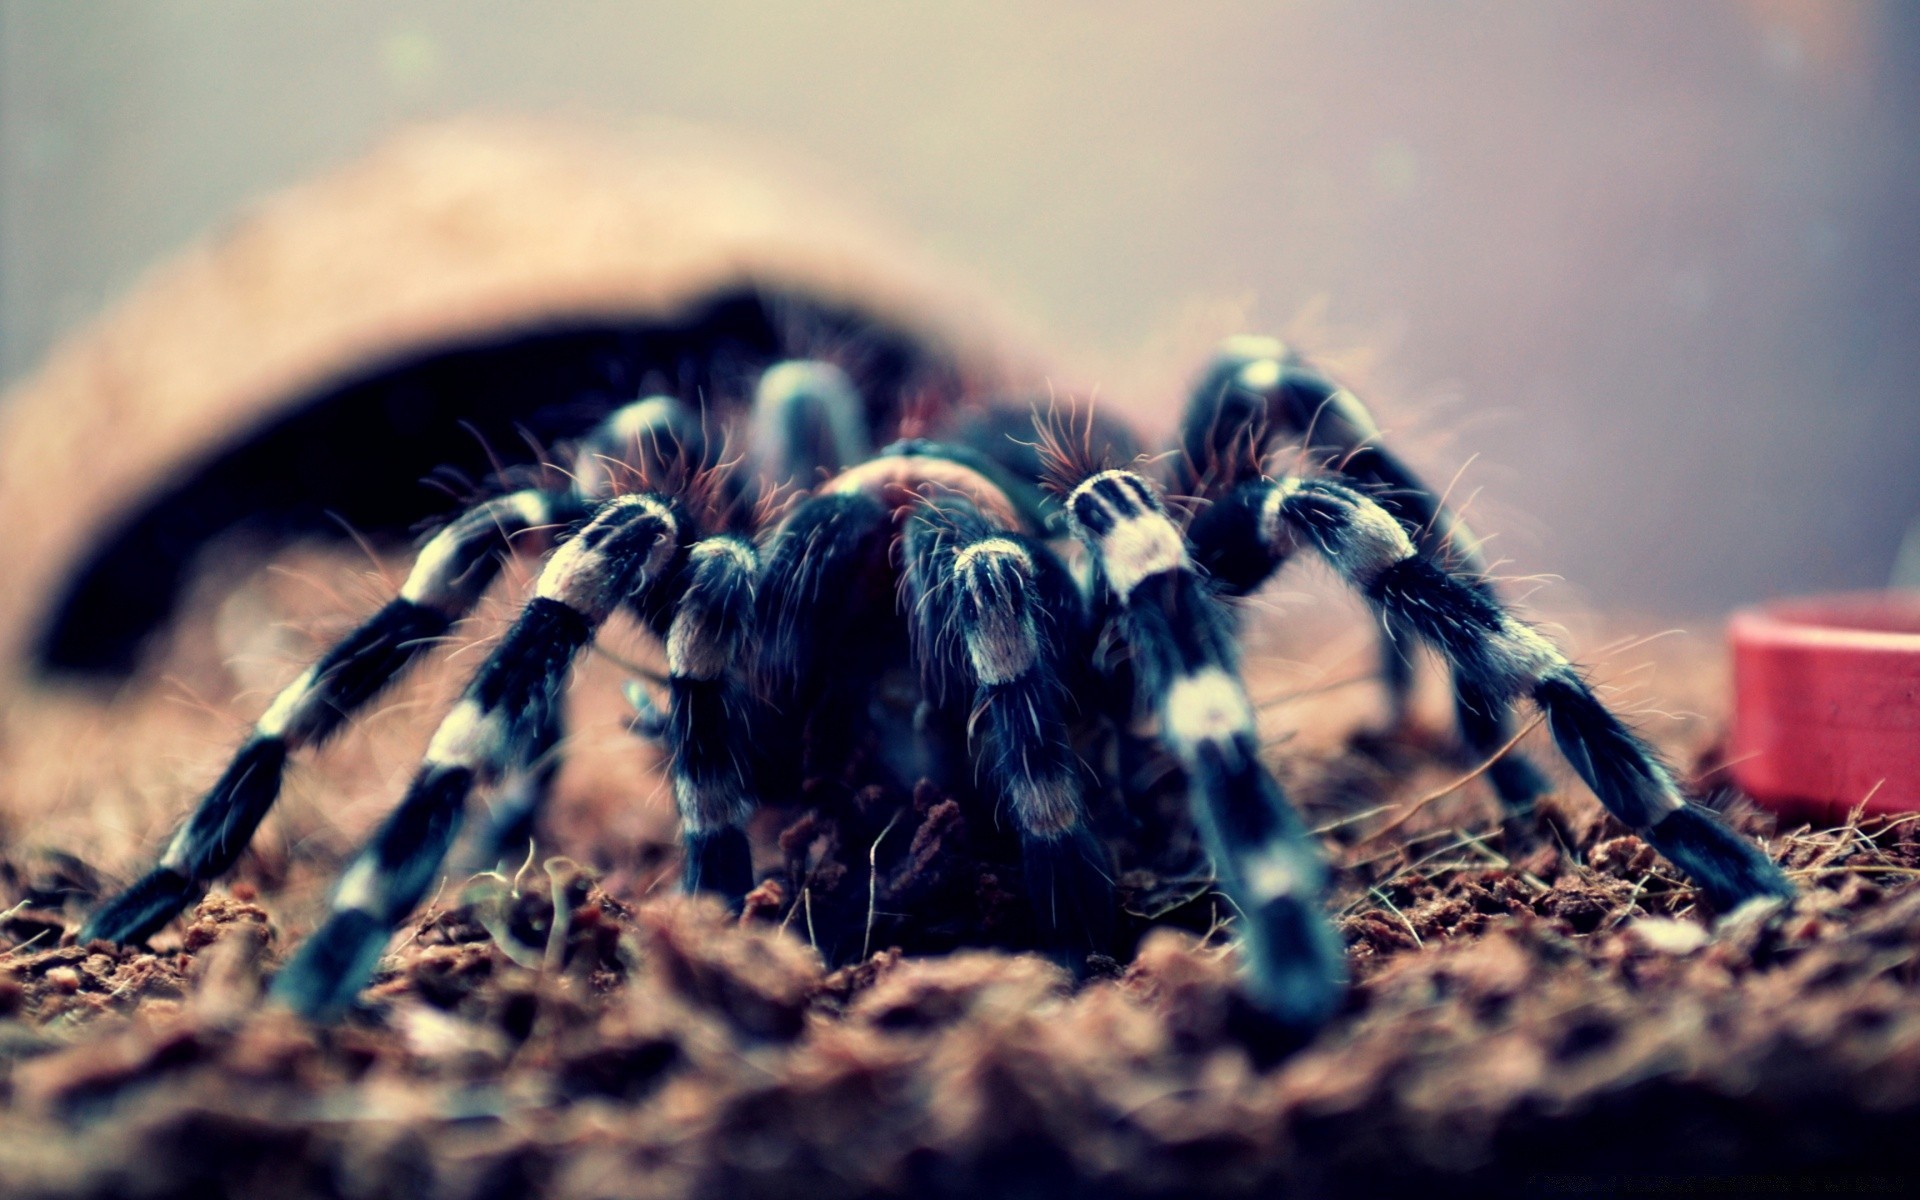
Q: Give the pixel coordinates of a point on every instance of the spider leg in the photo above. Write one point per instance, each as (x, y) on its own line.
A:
(637, 445)
(514, 807)
(825, 580)
(1397, 674)
(993, 610)
(450, 574)
(1181, 639)
(1257, 392)
(708, 726)
(448, 578)
(822, 575)
(807, 423)
(1503, 657)
(655, 438)
(1486, 724)
(629, 547)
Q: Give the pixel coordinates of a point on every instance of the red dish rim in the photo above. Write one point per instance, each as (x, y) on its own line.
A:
(1827, 703)
(1844, 621)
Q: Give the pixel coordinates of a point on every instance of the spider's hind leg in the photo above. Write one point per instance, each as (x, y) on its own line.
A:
(1257, 395)
(994, 616)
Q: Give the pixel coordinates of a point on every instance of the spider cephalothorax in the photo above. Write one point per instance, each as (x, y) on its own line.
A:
(1011, 611)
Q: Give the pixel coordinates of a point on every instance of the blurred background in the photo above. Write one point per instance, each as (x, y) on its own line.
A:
(1646, 274)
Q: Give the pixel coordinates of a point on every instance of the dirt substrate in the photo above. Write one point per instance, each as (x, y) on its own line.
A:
(1548, 1019)
(1561, 1022)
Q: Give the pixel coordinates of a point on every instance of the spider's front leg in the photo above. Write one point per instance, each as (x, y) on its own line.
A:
(447, 579)
(1186, 664)
(1256, 395)
(1260, 523)
(630, 550)
(709, 717)
(450, 574)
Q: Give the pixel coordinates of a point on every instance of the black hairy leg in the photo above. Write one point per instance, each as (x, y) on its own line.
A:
(517, 800)
(1500, 656)
(709, 725)
(1187, 673)
(450, 574)
(1256, 396)
(994, 618)
(448, 578)
(824, 599)
(806, 426)
(632, 544)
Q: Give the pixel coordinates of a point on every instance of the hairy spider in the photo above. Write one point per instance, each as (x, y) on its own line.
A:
(1012, 603)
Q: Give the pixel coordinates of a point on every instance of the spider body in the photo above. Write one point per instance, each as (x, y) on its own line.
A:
(1013, 609)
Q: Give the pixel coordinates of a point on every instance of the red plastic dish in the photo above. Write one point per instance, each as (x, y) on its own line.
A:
(1827, 704)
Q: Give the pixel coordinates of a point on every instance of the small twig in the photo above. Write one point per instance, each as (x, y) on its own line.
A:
(1239, 914)
(1315, 690)
(12, 950)
(526, 866)
(1406, 868)
(873, 883)
(1475, 842)
(557, 932)
(806, 898)
(1434, 870)
(418, 925)
(1843, 843)
(1352, 818)
(1885, 827)
(1395, 910)
(1420, 804)
(1633, 900)
(1217, 924)
(1854, 869)
(1406, 847)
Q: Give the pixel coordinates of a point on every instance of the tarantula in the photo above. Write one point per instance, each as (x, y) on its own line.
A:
(986, 595)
